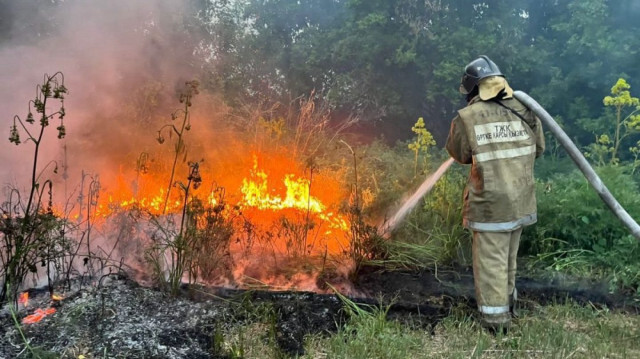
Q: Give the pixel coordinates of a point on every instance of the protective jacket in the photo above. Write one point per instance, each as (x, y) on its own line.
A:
(501, 148)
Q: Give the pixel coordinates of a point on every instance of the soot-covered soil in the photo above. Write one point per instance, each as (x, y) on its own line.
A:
(120, 319)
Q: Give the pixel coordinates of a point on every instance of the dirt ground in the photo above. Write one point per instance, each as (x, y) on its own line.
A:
(124, 319)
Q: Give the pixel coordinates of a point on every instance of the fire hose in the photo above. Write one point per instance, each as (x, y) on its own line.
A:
(568, 145)
(580, 161)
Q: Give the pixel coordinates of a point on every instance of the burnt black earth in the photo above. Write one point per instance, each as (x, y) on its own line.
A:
(127, 320)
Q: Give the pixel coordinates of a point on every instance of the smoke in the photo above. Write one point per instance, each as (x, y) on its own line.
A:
(125, 63)
(122, 62)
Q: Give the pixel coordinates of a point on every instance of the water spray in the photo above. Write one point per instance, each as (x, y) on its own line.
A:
(387, 227)
(575, 154)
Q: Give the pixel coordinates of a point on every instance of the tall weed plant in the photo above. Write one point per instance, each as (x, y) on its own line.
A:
(195, 242)
(30, 233)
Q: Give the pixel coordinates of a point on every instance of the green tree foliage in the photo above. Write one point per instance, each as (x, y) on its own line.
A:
(590, 51)
(396, 61)
(399, 60)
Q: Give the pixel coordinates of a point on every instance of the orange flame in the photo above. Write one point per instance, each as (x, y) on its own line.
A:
(256, 193)
(289, 191)
(274, 191)
(23, 299)
(38, 315)
(151, 202)
(56, 297)
(294, 208)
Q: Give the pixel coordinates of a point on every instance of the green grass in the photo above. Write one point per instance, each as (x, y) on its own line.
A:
(553, 331)
(556, 331)
(432, 234)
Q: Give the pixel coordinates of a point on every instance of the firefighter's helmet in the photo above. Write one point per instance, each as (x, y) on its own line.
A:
(475, 71)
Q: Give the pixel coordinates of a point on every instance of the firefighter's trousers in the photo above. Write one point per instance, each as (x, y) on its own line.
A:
(494, 272)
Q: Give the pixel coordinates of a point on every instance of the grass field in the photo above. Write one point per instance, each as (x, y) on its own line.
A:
(554, 331)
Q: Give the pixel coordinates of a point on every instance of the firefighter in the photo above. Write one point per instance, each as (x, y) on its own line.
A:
(500, 138)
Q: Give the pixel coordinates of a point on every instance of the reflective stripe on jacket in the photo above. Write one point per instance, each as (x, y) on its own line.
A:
(501, 148)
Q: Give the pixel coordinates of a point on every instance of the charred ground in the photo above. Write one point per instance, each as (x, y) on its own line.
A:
(118, 318)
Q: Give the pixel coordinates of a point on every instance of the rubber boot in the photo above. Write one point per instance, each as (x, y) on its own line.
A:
(496, 323)
(513, 303)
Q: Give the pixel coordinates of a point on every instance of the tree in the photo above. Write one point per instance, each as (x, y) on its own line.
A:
(395, 61)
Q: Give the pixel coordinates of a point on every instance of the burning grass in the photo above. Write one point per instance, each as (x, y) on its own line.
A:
(278, 218)
(273, 211)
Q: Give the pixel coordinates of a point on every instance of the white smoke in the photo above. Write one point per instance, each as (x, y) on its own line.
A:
(106, 50)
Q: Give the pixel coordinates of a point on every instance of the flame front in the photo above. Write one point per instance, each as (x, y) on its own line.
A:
(125, 199)
(256, 193)
(38, 315)
(289, 196)
(287, 191)
(276, 209)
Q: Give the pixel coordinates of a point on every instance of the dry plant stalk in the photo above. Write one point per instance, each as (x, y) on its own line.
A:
(30, 232)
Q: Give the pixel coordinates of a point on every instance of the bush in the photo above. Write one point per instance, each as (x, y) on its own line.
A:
(572, 214)
(577, 232)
